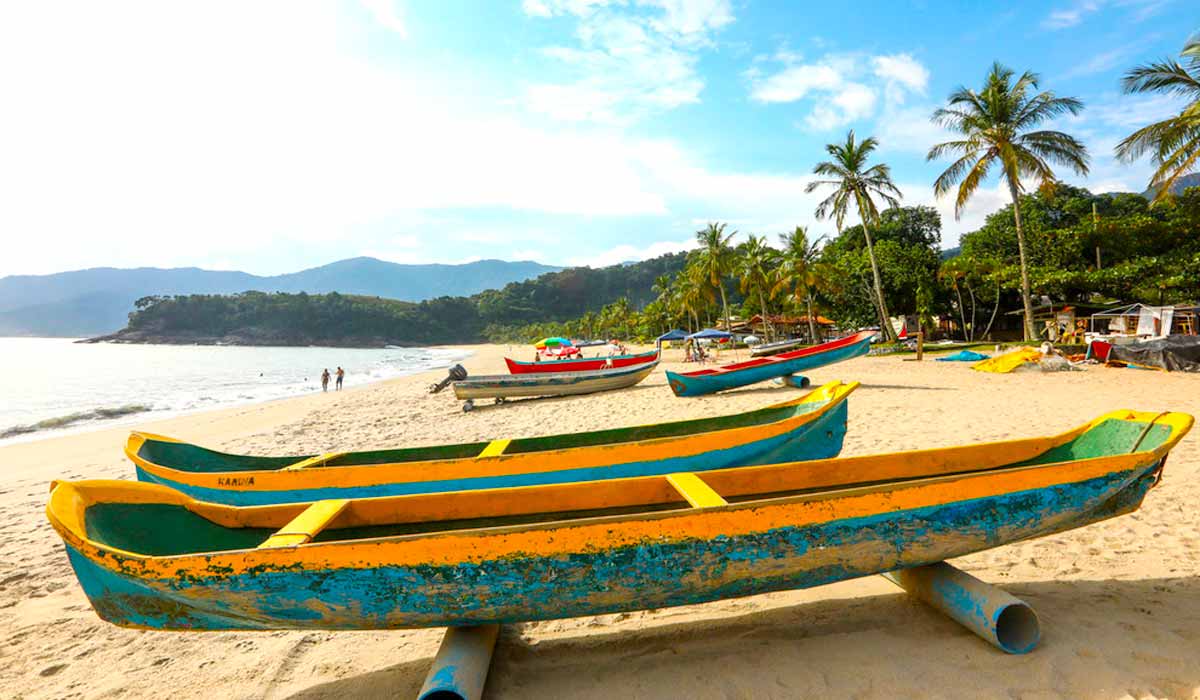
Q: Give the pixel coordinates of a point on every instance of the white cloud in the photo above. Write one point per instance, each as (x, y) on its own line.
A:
(902, 70)
(631, 253)
(852, 102)
(842, 88)
(909, 129)
(630, 59)
(795, 83)
(1066, 17)
(388, 15)
(1071, 16)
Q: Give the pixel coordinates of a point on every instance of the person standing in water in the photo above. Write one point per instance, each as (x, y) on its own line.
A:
(325, 380)
(341, 374)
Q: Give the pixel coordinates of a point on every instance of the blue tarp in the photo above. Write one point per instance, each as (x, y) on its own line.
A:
(673, 335)
(963, 356)
(710, 333)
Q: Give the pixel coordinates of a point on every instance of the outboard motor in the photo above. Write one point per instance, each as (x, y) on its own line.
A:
(456, 373)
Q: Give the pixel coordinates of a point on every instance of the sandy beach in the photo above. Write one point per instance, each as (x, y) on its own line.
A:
(1119, 601)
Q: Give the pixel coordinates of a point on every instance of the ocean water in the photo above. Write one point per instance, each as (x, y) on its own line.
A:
(52, 385)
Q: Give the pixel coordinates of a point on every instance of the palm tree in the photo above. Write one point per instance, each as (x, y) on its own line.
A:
(995, 125)
(1174, 143)
(755, 266)
(855, 181)
(715, 259)
(800, 272)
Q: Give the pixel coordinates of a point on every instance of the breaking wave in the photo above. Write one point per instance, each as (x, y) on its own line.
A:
(71, 419)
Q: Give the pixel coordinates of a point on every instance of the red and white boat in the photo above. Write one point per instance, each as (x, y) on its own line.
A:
(580, 364)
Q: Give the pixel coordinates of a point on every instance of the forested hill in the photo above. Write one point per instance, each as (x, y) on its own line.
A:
(258, 318)
(87, 302)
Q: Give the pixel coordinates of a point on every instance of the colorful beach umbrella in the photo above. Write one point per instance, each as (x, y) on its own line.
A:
(551, 342)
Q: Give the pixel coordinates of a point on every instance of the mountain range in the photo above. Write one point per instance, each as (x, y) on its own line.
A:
(98, 300)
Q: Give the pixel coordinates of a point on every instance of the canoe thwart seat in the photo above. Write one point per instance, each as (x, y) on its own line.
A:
(695, 491)
(495, 448)
(304, 527)
(314, 461)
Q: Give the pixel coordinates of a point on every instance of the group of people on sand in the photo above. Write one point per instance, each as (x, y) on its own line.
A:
(341, 374)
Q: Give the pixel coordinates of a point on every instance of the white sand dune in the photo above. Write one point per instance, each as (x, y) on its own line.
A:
(1119, 601)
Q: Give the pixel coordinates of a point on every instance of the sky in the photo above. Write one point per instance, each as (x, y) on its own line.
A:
(276, 136)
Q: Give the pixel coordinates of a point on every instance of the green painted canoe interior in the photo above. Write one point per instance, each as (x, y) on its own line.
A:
(1111, 437)
(193, 458)
(160, 529)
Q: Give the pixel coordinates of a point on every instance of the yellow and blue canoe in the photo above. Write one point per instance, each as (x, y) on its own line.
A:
(150, 557)
(812, 426)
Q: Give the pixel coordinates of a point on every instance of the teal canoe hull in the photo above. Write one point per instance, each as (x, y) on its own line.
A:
(703, 382)
(650, 574)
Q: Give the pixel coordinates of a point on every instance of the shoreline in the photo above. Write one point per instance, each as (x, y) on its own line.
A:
(155, 415)
(1119, 600)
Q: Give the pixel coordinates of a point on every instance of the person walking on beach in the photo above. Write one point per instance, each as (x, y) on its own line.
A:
(325, 380)
(341, 374)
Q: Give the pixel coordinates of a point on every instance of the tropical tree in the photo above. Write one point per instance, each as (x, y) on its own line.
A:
(1174, 143)
(715, 259)
(954, 272)
(755, 267)
(997, 127)
(800, 272)
(855, 182)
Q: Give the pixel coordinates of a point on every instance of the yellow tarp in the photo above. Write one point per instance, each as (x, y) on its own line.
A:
(1003, 364)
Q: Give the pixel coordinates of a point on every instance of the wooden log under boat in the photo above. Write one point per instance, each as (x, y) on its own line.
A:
(809, 427)
(150, 557)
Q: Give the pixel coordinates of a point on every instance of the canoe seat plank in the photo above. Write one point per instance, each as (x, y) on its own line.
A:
(495, 448)
(314, 461)
(695, 491)
(308, 524)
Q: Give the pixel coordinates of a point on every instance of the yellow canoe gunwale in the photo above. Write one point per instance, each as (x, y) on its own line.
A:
(69, 502)
(479, 466)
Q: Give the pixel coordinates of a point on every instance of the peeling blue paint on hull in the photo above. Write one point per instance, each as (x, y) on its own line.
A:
(819, 439)
(646, 575)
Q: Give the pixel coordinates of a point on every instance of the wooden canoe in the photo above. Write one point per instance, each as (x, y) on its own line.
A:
(708, 381)
(580, 364)
(148, 556)
(809, 427)
(507, 386)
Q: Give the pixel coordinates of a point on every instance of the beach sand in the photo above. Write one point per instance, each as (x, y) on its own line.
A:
(1119, 601)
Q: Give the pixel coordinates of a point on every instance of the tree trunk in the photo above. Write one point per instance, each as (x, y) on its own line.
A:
(995, 307)
(974, 305)
(962, 312)
(1026, 300)
(762, 300)
(885, 323)
(725, 306)
(812, 323)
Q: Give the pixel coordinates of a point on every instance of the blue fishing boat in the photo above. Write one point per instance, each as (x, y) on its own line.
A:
(708, 381)
(808, 427)
(150, 557)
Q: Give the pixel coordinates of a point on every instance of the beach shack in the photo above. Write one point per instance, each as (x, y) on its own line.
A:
(1144, 321)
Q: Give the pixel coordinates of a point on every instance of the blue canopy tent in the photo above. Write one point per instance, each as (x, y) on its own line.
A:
(710, 333)
(672, 335)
